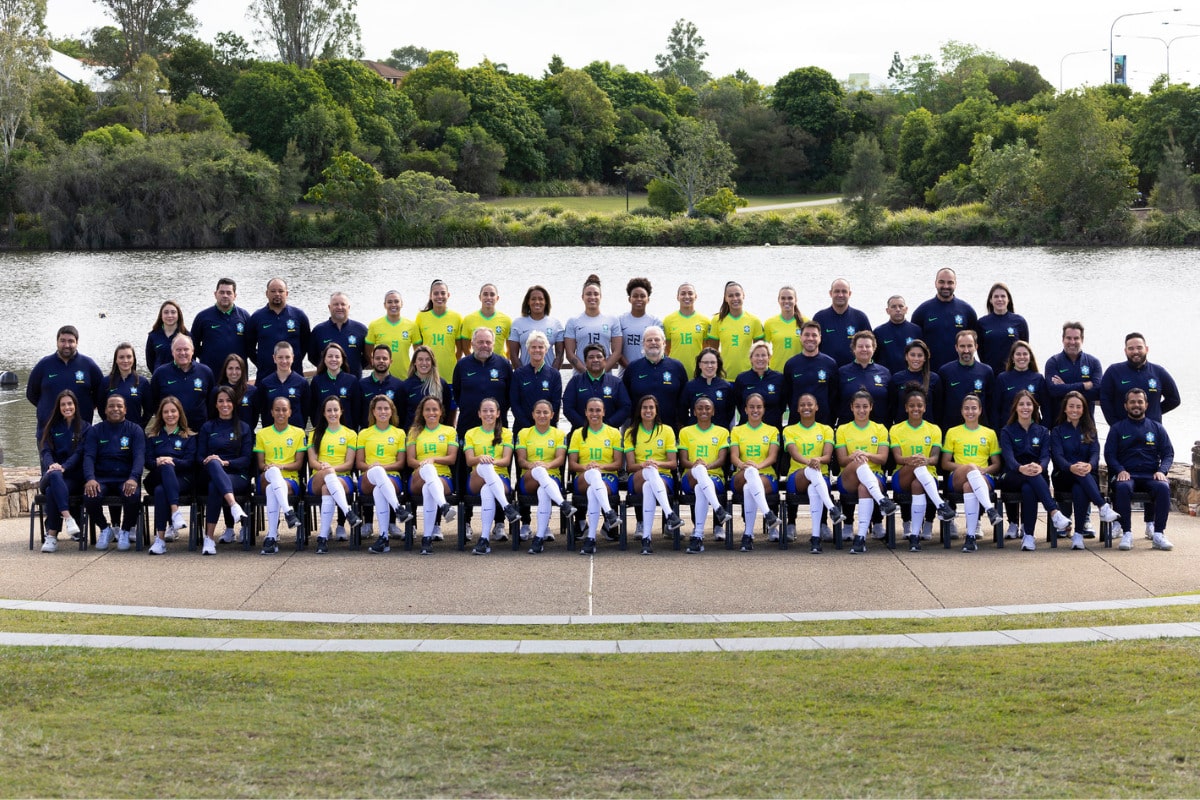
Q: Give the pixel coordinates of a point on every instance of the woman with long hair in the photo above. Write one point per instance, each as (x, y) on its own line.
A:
(488, 451)
(916, 449)
(124, 380)
(432, 451)
(650, 458)
(708, 379)
(733, 330)
(535, 316)
(170, 456)
(61, 451)
(225, 450)
(281, 451)
(753, 450)
(862, 450)
(440, 327)
(541, 453)
(167, 326)
(234, 375)
(1075, 452)
(918, 371)
(703, 454)
(382, 453)
(593, 457)
(331, 457)
(425, 380)
(971, 454)
(1025, 453)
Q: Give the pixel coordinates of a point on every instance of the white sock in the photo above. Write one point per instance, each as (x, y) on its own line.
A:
(866, 507)
(549, 484)
(595, 482)
(971, 509)
(929, 484)
(871, 481)
(544, 508)
(337, 490)
(979, 488)
(817, 484)
(430, 506)
(918, 512)
(328, 505)
(277, 490)
(753, 490)
(487, 507)
(433, 484)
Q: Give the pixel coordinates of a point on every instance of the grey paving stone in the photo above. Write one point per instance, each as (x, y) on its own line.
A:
(467, 646)
(275, 645)
(608, 619)
(175, 643)
(371, 646)
(882, 641)
(750, 644)
(1151, 631)
(962, 639)
(821, 616)
(598, 646)
(668, 646)
(1057, 635)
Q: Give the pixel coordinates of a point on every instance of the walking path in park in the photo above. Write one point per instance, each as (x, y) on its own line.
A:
(562, 588)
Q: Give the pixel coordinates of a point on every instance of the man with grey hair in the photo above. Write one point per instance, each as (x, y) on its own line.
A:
(656, 373)
(341, 330)
(186, 379)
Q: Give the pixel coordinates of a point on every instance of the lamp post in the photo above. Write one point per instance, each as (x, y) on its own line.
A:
(1167, 44)
(1111, 64)
(620, 173)
(1068, 55)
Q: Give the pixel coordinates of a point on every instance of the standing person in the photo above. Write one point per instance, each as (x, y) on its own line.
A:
(1162, 395)
(333, 380)
(942, 318)
(382, 453)
(861, 445)
(1075, 452)
(1073, 370)
(753, 451)
(65, 368)
(221, 329)
(838, 324)
(593, 457)
(782, 332)
(61, 452)
(286, 384)
(432, 453)
(346, 333)
(964, 376)
(916, 449)
(813, 372)
(916, 370)
(486, 317)
(650, 459)
(895, 335)
(393, 331)
(186, 379)
(425, 380)
(1000, 328)
(657, 374)
(636, 321)
(535, 316)
(760, 379)
(809, 444)
(233, 375)
(1025, 454)
(331, 458)
(534, 382)
(864, 375)
(596, 383)
(1020, 373)
(593, 327)
(380, 381)
(225, 450)
(114, 456)
(1139, 455)
(488, 451)
(733, 330)
(971, 454)
(277, 322)
(280, 449)
(158, 342)
(170, 456)
(541, 454)
(123, 379)
(685, 329)
(703, 453)
(439, 328)
(708, 380)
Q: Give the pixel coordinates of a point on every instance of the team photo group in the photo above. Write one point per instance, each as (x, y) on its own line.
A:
(409, 422)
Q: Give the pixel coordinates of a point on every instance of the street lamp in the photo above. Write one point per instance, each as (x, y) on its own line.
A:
(1167, 44)
(1111, 64)
(1068, 55)
(620, 173)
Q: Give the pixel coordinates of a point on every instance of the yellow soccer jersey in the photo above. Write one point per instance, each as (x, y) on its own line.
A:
(704, 445)
(651, 445)
(440, 334)
(499, 322)
(916, 441)
(600, 446)
(810, 442)
(480, 441)
(280, 447)
(754, 444)
(735, 335)
(972, 446)
(401, 336)
(382, 446)
(851, 438)
(784, 336)
(542, 447)
(435, 443)
(335, 444)
(686, 336)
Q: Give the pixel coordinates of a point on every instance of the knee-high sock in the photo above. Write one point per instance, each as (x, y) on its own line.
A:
(487, 507)
(816, 483)
(492, 481)
(327, 507)
(971, 507)
(866, 507)
(337, 490)
(544, 508)
(871, 481)
(277, 490)
(383, 491)
(596, 484)
(929, 484)
(754, 490)
(433, 487)
(657, 494)
(594, 496)
(918, 512)
(979, 487)
(705, 486)
(549, 484)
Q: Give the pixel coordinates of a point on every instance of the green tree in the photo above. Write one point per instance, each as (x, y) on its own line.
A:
(720, 204)
(812, 99)
(149, 27)
(584, 123)
(684, 59)
(863, 183)
(479, 159)
(348, 185)
(383, 114)
(304, 30)
(1086, 174)
(415, 198)
(408, 57)
(142, 96)
(770, 153)
(197, 67)
(1008, 176)
(23, 54)
(692, 158)
(1172, 193)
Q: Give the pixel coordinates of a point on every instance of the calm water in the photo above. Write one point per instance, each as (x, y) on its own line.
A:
(112, 297)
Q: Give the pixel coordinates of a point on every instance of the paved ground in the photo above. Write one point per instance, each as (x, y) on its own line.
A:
(559, 583)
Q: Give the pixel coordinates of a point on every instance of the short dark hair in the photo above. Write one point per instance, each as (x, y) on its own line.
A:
(593, 347)
(635, 283)
(1135, 390)
(70, 330)
(1134, 335)
(227, 282)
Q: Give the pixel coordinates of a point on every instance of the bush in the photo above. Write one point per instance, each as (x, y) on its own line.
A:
(664, 197)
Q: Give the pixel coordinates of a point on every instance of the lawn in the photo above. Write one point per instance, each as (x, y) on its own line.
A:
(614, 204)
(1110, 719)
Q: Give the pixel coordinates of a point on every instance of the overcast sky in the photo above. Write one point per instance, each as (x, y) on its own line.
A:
(768, 38)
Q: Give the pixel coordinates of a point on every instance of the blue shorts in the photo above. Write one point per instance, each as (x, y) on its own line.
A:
(950, 482)
(609, 480)
(347, 483)
(772, 481)
(668, 481)
(293, 485)
(447, 482)
(791, 481)
(395, 479)
(882, 482)
(507, 486)
(718, 483)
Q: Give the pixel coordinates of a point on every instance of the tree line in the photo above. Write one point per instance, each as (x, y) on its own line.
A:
(214, 145)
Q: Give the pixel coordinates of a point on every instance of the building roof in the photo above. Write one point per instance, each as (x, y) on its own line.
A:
(75, 71)
(389, 74)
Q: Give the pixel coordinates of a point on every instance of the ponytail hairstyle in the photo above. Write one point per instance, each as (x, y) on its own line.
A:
(499, 429)
(724, 311)
(429, 303)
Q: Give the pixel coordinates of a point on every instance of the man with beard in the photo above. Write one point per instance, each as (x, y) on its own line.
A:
(942, 318)
(657, 374)
(1162, 395)
(1139, 454)
(839, 322)
(65, 368)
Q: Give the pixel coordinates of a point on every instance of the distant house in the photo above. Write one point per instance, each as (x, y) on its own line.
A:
(393, 76)
(72, 70)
